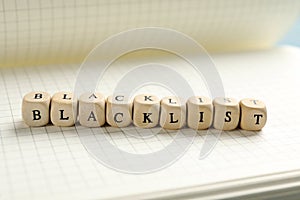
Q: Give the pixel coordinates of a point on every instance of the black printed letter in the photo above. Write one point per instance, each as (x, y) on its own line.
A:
(172, 102)
(119, 98)
(148, 98)
(62, 115)
(93, 96)
(172, 120)
(146, 117)
(228, 116)
(257, 118)
(116, 119)
(201, 117)
(92, 116)
(38, 96)
(65, 97)
(36, 115)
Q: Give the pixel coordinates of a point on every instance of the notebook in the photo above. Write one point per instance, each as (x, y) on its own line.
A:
(54, 31)
(52, 162)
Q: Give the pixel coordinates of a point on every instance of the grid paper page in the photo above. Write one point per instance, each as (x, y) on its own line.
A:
(50, 162)
(53, 31)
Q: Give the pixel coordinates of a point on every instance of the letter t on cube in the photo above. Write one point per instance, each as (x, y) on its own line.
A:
(253, 114)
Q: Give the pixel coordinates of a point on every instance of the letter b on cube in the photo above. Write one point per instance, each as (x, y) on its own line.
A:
(35, 108)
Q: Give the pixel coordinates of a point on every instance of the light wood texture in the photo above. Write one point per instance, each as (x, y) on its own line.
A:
(118, 111)
(199, 112)
(63, 110)
(227, 113)
(173, 113)
(91, 109)
(253, 114)
(146, 109)
(35, 108)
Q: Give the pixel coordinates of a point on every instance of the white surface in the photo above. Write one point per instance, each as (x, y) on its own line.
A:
(50, 162)
(54, 31)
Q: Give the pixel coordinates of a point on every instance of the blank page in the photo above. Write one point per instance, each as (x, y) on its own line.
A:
(37, 32)
(50, 162)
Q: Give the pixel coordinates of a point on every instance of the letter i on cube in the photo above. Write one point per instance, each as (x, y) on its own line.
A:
(199, 112)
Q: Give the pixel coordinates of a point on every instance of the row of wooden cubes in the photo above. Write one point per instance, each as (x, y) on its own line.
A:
(145, 111)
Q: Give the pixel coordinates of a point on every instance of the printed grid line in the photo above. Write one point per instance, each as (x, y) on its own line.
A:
(57, 31)
(51, 161)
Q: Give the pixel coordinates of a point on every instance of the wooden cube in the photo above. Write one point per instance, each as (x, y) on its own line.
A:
(146, 110)
(91, 109)
(173, 113)
(227, 113)
(253, 114)
(63, 110)
(35, 108)
(199, 112)
(118, 111)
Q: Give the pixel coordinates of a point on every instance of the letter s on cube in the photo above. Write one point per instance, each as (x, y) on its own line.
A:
(227, 113)
(35, 108)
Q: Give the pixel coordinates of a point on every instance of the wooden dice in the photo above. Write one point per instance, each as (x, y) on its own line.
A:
(119, 111)
(253, 114)
(63, 110)
(146, 110)
(35, 108)
(227, 113)
(173, 113)
(91, 109)
(199, 112)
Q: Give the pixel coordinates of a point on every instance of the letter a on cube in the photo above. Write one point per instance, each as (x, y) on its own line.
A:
(92, 109)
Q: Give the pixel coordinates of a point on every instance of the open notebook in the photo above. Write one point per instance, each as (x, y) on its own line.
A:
(50, 162)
